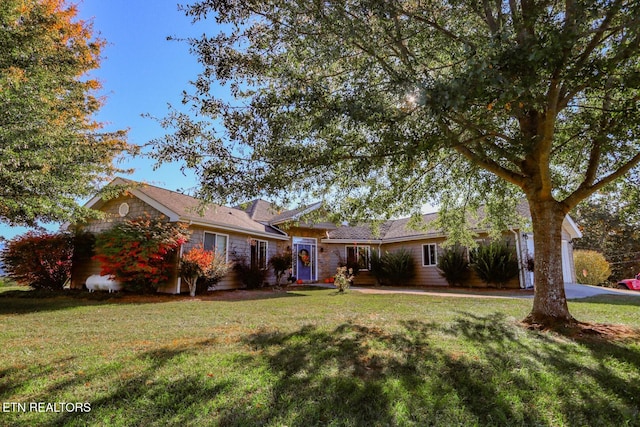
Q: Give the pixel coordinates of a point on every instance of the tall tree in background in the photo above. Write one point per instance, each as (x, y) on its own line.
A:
(380, 106)
(52, 151)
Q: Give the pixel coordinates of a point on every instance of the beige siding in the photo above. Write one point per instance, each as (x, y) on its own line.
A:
(425, 275)
(238, 247)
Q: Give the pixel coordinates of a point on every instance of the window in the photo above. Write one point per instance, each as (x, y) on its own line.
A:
(259, 254)
(429, 255)
(360, 255)
(216, 242)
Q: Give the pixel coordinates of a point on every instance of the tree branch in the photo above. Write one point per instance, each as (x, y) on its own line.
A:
(490, 165)
(584, 191)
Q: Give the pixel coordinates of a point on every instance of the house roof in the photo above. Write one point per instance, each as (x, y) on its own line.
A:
(260, 217)
(259, 210)
(295, 214)
(399, 229)
(266, 212)
(181, 207)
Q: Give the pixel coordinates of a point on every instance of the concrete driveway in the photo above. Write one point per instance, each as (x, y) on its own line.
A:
(572, 291)
(576, 291)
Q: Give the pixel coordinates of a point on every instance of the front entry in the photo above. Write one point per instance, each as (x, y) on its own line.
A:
(304, 263)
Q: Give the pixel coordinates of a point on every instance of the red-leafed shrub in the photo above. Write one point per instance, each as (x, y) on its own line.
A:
(39, 259)
(199, 263)
(140, 252)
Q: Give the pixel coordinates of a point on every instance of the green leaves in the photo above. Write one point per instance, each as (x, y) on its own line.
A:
(375, 101)
(52, 152)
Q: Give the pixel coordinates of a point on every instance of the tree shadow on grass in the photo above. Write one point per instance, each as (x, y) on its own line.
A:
(595, 379)
(478, 370)
(361, 375)
(136, 396)
(23, 302)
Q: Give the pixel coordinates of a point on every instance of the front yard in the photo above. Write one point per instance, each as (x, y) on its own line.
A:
(311, 357)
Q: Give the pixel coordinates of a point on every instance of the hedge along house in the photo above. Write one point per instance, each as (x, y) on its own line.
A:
(257, 230)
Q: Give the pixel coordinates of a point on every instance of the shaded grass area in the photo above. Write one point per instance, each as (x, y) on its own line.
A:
(316, 359)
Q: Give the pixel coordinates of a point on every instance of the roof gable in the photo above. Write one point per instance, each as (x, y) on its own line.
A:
(181, 207)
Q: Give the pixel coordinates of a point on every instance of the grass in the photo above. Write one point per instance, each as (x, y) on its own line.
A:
(312, 357)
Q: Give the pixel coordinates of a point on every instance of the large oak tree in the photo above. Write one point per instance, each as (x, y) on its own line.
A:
(52, 150)
(380, 106)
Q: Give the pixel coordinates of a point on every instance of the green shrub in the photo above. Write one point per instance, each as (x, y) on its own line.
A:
(39, 259)
(591, 267)
(281, 263)
(496, 263)
(393, 268)
(376, 267)
(454, 266)
(251, 276)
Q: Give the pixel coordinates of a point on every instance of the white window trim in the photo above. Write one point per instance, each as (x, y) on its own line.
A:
(346, 252)
(435, 248)
(226, 249)
(266, 252)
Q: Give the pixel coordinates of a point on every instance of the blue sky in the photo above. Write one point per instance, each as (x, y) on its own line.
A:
(141, 72)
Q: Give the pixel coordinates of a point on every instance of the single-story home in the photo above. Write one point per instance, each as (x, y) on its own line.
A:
(257, 230)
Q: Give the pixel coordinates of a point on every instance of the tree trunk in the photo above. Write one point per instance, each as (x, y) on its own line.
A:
(550, 302)
(192, 282)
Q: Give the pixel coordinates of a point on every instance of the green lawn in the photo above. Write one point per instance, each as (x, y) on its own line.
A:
(312, 357)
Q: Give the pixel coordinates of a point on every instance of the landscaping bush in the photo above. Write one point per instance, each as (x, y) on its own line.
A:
(393, 268)
(454, 266)
(139, 252)
(591, 267)
(398, 267)
(343, 278)
(251, 276)
(496, 264)
(197, 264)
(39, 259)
(281, 263)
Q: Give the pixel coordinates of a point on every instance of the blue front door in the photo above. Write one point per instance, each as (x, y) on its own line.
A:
(305, 259)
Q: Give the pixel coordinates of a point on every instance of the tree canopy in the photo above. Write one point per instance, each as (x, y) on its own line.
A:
(52, 151)
(382, 106)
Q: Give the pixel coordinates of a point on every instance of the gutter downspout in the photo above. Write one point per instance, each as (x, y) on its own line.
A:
(521, 272)
(179, 281)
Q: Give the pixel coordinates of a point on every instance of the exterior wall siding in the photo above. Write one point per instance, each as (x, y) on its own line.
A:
(238, 245)
(238, 248)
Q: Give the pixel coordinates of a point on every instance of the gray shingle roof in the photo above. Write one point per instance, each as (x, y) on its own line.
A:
(389, 230)
(260, 210)
(191, 209)
(261, 216)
